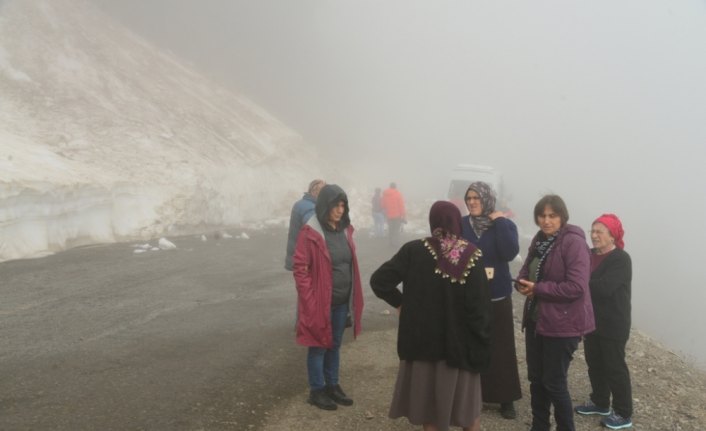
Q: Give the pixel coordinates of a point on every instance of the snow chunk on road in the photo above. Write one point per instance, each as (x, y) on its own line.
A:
(165, 244)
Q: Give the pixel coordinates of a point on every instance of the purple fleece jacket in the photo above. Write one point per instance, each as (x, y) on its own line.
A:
(565, 308)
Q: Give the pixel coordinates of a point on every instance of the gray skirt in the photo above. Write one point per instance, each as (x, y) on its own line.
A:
(434, 393)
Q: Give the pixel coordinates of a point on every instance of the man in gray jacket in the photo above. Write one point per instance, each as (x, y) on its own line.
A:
(302, 210)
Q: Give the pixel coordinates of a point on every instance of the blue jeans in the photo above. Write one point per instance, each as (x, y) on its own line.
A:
(322, 364)
(548, 360)
(379, 229)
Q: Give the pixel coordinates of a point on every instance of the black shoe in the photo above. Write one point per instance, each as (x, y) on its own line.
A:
(338, 396)
(319, 399)
(507, 410)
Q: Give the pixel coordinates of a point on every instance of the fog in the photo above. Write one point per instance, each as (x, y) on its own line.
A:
(602, 102)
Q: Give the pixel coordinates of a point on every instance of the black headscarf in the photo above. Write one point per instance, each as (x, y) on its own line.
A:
(329, 196)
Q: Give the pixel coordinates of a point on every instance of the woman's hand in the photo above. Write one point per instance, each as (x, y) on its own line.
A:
(496, 214)
(525, 287)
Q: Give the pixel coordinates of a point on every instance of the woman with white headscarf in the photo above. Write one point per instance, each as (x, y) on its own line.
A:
(497, 237)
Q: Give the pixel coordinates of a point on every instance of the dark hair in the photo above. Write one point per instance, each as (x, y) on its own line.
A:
(556, 203)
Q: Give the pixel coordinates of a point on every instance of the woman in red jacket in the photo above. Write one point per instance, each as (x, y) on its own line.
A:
(325, 268)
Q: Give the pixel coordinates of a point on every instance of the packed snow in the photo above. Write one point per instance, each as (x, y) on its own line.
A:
(105, 138)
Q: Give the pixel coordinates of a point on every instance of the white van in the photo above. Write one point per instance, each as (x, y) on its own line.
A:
(464, 174)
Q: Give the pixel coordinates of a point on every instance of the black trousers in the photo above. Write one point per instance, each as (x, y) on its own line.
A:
(548, 360)
(394, 230)
(500, 383)
(609, 373)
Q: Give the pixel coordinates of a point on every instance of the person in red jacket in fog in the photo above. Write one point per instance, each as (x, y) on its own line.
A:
(325, 268)
(393, 206)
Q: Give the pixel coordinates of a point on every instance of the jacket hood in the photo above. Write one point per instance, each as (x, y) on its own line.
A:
(329, 196)
(571, 229)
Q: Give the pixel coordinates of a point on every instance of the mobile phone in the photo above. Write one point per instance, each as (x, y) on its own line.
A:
(518, 285)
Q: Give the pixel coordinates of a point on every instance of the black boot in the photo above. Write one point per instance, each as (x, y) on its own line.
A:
(507, 410)
(338, 396)
(319, 399)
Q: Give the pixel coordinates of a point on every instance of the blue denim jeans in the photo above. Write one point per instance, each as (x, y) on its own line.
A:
(379, 227)
(322, 364)
(548, 360)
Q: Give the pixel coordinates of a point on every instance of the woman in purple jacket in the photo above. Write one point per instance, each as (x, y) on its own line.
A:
(558, 310)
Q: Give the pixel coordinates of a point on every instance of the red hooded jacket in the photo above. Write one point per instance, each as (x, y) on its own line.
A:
(314, 277)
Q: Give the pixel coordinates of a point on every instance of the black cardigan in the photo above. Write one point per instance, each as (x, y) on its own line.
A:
(440, 320)
(610, 293)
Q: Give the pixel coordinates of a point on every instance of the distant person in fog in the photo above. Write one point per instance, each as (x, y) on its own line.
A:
(611, 278)
(328, 286)
(558, 312)
(378, 214)
(443, 339)
(497, 237)
(393, 206)
(302, 210)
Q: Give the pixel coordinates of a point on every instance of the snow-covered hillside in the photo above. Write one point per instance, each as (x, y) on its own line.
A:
(103, 137)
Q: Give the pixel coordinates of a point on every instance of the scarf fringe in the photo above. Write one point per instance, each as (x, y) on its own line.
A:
(471, 263)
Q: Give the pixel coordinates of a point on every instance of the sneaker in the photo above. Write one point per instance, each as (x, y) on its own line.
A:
(588, 408)
(616, 422)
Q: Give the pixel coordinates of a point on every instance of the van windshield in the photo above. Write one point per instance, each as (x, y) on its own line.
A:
(457, 189)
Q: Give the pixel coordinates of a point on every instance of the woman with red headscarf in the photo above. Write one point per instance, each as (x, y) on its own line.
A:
(443, 340)
(611, 275)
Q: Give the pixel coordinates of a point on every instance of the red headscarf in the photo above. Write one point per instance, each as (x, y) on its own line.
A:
(612, 222)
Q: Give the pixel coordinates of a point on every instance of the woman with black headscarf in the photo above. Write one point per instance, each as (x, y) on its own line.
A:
(497, 237)
(325, 268)
(443, 340)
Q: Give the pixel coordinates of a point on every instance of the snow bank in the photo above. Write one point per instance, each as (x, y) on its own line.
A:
(104, 138)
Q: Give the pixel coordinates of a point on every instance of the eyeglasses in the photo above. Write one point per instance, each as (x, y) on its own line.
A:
(472, 198)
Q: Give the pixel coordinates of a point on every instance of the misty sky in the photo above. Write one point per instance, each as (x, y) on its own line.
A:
(603, 102)
(524, 86)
